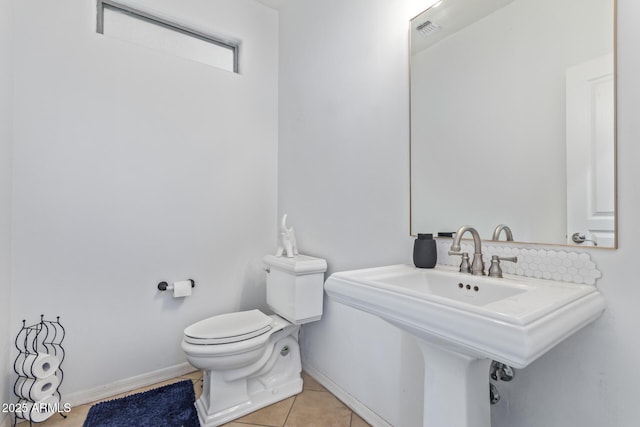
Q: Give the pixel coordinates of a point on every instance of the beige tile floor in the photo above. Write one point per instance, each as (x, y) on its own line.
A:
(314, 407)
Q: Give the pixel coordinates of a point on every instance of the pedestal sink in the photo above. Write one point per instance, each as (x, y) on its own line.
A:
(463, 322)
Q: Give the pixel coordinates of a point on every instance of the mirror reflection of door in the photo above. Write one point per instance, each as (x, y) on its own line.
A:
(489, 119)
(590, 153)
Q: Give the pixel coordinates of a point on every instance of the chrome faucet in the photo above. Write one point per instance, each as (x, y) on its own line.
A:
(477, 265)
(507, 232)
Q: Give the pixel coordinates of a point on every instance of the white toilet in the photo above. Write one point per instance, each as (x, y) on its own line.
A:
(251, 360)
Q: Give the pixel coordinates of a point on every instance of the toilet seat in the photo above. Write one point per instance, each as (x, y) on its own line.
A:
(228, 328)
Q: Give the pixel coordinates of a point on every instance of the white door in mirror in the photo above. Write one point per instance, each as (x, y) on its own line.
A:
(591, 153)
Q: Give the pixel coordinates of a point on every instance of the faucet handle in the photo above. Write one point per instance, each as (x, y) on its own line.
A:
(465, 266)
(495, 270)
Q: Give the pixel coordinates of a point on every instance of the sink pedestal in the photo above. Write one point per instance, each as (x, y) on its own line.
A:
(456, 388)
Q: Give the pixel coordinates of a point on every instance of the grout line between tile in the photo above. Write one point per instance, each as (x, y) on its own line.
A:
(290, 409)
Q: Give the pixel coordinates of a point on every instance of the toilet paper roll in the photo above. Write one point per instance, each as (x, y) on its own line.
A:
(38, 411)
(182, 289)
(37, 365)
(36, 389)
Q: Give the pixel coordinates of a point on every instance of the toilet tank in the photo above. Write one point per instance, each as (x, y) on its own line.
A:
(295, 287)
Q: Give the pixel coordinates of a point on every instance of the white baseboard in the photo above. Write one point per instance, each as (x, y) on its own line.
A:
(97, 393)
(356, 406)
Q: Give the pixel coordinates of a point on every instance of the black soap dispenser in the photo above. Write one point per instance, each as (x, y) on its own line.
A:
(425, 254)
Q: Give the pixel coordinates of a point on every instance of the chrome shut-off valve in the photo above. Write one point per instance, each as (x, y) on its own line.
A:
(498, 372)
(494, 394)
(501, 372)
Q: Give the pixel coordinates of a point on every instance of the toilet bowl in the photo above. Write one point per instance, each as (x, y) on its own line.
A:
(250, 359)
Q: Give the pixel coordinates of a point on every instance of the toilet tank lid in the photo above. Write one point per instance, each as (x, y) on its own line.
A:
(299, 264)
(229, 325)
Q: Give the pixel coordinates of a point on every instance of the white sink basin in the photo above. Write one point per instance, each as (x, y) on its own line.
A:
(462, 322)
(441, 285)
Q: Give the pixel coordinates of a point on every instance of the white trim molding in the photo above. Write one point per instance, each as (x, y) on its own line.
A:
(356, 406)
(121, 386)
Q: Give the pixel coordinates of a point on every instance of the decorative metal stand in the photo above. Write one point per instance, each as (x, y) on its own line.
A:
(39, 370)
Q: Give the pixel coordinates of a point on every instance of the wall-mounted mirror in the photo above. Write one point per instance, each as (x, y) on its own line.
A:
(513, 119)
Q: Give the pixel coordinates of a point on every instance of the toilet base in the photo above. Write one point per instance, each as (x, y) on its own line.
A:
(257, 401)
(231, 394)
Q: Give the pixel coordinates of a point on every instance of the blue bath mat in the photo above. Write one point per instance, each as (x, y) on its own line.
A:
(168, 406)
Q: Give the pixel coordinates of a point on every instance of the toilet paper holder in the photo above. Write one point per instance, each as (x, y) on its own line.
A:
(163, 286)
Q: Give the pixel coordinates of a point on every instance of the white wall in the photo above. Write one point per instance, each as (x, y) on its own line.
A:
(5, 199)
(344, 129)
(343, 166)
(132, 167)
(343, 179)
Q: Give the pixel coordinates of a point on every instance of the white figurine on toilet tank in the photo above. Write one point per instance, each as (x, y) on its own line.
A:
(287, 241)
(250, 359)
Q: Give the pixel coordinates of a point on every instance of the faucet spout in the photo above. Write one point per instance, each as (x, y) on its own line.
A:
(507, 232)
(477, 266)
